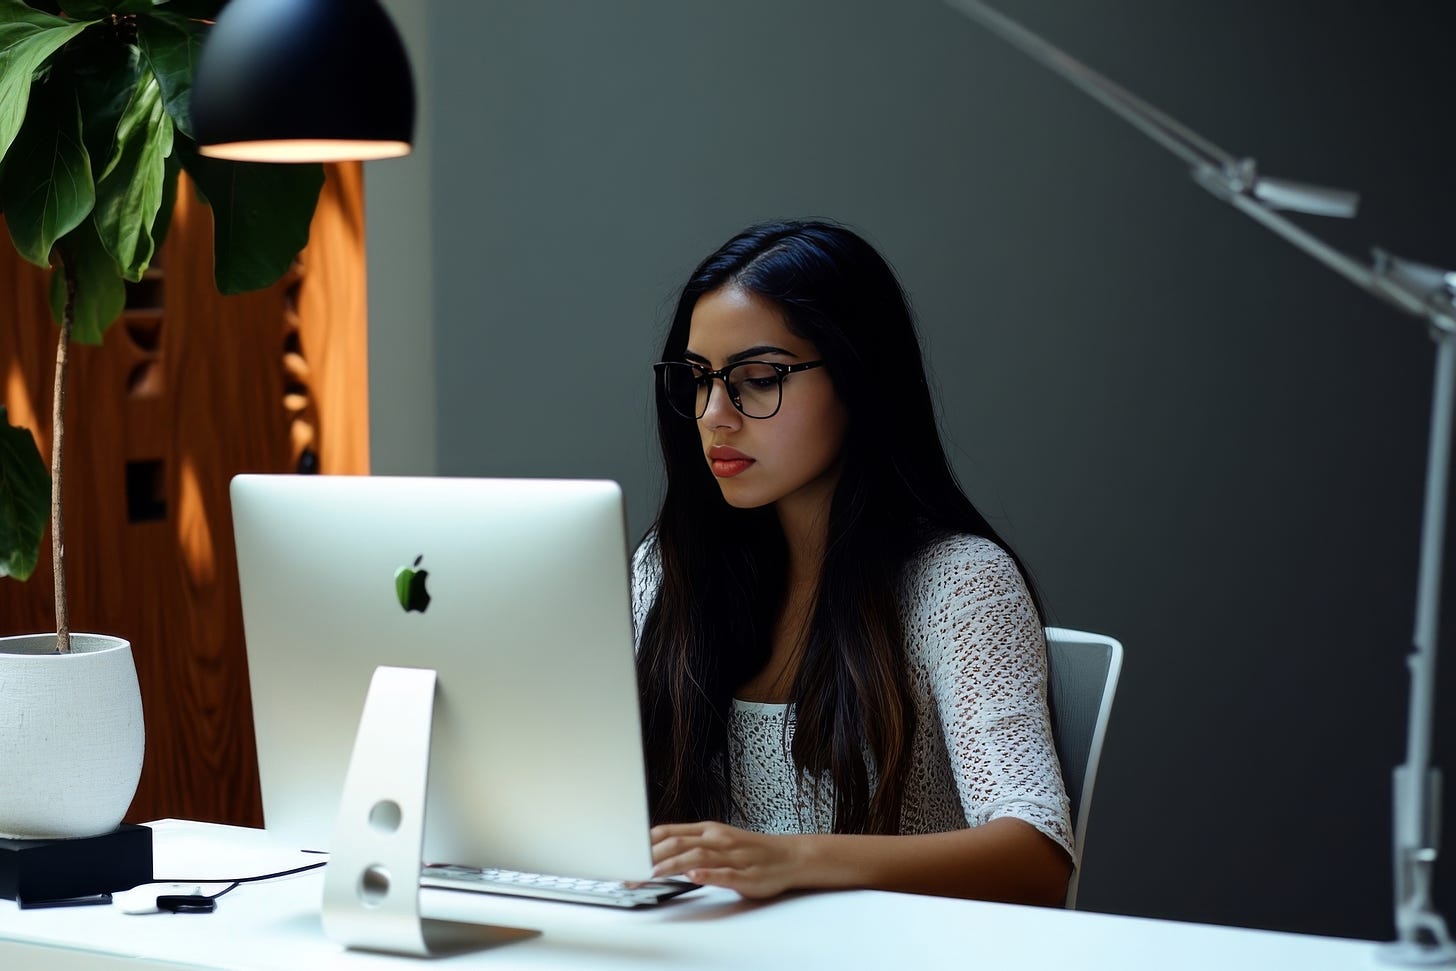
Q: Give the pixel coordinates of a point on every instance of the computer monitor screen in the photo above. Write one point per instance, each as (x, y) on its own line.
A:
(516, 592)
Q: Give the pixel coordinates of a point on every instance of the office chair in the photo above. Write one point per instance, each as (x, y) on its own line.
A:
(1082, 671)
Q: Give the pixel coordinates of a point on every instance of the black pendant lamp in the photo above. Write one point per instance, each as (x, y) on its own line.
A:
(303, 81)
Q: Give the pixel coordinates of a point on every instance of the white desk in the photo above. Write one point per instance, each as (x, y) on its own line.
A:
(276, 925)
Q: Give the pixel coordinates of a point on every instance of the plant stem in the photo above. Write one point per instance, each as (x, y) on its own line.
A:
(58, 438)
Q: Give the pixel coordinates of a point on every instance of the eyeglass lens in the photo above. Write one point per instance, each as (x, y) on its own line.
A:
(753, 386)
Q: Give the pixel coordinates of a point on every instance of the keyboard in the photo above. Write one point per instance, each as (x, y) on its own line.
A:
(606, 893)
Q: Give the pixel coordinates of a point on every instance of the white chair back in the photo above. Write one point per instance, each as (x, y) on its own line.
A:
(1082, 673)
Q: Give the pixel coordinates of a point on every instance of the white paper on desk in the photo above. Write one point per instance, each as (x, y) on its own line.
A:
(178, 845)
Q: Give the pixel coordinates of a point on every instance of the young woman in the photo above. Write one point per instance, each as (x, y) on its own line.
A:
(843, 672)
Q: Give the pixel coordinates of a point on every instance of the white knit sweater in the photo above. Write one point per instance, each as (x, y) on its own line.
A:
(983, 743)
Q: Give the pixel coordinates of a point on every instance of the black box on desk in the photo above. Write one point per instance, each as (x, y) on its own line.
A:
(41, 870)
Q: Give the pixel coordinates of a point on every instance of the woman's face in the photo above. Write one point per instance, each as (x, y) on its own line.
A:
(791, 458)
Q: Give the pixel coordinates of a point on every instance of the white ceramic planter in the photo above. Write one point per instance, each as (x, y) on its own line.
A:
(71, 735)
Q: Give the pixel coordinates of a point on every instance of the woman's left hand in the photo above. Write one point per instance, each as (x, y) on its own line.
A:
(756, 865)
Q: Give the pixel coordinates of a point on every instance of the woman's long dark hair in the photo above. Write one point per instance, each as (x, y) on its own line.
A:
(723, 570)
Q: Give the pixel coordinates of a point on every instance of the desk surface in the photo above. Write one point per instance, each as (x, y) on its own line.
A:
(276, 925)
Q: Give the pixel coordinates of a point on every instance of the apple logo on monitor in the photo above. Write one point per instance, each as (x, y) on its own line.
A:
(409, 586)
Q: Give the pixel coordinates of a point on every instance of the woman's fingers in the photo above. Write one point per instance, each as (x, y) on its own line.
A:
(672, 848)
(679, 847)
(721, 856)
(708, 831)
(685, 855)
(673, 840)
(664, 830)
(725, 877)
(751, 883)
(673, 866)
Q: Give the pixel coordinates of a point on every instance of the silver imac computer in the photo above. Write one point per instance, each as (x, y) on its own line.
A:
(475, 633)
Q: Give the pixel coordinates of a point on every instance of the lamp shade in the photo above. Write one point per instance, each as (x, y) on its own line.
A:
(303, 81)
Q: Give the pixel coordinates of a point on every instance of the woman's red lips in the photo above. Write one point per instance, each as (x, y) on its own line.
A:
(727, 462)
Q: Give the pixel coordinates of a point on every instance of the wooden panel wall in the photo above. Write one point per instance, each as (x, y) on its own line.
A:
(189, 389)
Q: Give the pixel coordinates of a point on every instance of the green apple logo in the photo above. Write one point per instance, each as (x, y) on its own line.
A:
(409, 586)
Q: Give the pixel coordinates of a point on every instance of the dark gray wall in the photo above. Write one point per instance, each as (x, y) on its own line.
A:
(1204, 443)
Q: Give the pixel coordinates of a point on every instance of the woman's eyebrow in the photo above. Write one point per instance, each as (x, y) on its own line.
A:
(744, 355)
(758, 351)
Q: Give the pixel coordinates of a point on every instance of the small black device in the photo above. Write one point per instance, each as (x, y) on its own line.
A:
(186, 903)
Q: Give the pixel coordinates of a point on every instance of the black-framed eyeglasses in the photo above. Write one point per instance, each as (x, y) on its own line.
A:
(756, 388)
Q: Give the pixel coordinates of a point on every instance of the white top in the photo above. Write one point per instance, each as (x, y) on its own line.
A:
(983, 742)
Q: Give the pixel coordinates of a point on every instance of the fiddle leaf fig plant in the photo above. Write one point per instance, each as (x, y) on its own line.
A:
(95, 126)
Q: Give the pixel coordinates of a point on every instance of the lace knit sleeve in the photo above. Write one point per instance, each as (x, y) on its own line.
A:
(646, 576)
(984, 651)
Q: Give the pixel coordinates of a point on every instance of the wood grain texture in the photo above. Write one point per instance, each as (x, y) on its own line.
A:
(331, 320)
(189, 387)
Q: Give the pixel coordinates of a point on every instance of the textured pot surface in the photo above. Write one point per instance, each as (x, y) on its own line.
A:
(71, 735)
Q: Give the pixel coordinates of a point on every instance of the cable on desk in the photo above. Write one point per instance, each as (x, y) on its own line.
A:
(237, 880)
(198, 903)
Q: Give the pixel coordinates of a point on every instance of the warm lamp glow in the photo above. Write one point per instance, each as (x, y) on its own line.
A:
(306, 150)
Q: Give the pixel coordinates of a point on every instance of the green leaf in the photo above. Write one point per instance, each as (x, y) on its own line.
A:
(129, 191)
(25, 500)
(100, 292)
(163, 222)
(27, 39)
(261, 214)
(47, 180)
(171, 45)
(106, 75)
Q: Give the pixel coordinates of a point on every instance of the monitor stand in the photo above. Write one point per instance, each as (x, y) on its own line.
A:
(372, 883)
